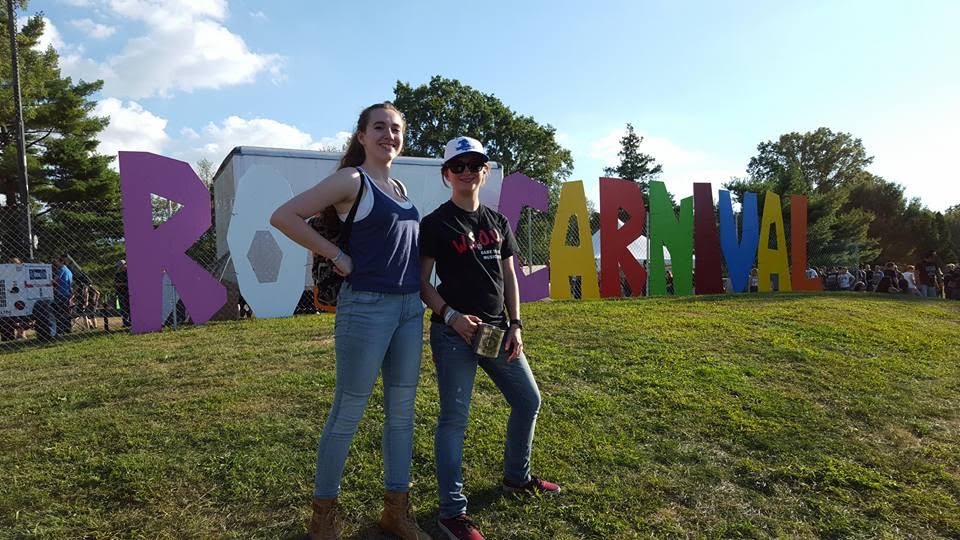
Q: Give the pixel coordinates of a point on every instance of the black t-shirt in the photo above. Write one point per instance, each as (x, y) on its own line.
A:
(929, 272)
(468, 248)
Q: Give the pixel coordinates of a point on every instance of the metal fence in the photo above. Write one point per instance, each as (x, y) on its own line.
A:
(88, 240)
(75, 285)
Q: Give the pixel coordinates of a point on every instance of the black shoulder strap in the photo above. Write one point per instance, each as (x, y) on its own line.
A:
(344, 240)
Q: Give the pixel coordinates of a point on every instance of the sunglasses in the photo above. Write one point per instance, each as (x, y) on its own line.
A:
(459, 166)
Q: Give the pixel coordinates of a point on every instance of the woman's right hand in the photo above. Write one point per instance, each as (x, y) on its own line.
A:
(466, 326)
(344, 265)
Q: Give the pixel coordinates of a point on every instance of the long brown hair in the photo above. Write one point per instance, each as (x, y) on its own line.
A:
(355, 155)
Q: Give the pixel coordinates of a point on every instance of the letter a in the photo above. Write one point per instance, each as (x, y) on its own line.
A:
(151, 252)
(566, 261)
(772, 261)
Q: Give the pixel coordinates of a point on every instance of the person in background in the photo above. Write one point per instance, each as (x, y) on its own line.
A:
(908, 275)
(860, 273)
(875, 276)
(122, 287)
(845, 280)
(929, 276)
(951, 279)
(890, 282)
(88, 310)
(62, 295)
(754, 280)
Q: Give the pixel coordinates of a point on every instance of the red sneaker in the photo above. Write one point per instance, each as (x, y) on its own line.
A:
(460, 528)
(535, 485)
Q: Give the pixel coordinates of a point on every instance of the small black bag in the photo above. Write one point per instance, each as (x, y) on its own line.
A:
(326, 281)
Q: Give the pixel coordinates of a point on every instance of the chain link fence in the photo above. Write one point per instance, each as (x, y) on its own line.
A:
(37, 301)
(75, 284)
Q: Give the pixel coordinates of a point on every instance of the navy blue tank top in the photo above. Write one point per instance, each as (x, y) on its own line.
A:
(384, 246)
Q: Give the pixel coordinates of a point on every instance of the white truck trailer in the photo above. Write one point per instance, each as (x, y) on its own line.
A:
(271, 271)
(26, 299)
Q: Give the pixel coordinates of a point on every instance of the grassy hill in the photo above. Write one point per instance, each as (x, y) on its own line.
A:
(795, 415)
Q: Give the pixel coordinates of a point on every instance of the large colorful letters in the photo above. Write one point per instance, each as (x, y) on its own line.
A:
(707, 272)
(674, 233)
(567, 261)
(692, 236)
(739, 255)
(151, 252)
(617, 194)
(518, 191)
(798, 246)
(772, 260)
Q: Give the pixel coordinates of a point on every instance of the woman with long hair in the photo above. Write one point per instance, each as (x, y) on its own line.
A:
(379, 320)
(476, 303)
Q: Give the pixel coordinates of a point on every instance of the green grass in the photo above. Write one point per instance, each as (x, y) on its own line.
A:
(743, 416)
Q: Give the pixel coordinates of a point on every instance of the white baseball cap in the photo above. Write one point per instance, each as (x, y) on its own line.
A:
(463, 145)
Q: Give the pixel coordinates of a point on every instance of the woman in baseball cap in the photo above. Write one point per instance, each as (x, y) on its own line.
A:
(477, 303)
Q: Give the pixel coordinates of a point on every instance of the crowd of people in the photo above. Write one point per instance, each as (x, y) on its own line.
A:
(927, 278)
(78, 302)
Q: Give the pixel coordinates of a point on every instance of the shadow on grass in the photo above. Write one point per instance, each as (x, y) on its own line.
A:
(427, 520)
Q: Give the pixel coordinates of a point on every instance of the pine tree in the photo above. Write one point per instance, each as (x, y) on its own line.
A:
(74, 192)
(634, 164)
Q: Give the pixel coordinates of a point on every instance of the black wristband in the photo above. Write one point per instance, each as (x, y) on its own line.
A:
(516, 322)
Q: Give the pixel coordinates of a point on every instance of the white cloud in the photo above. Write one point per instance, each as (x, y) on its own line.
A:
(185, 47)
(215, 140)
(50, 37)
(332, 143)
(92, 29)
(200, 55)
(258, 15)
(131, 128)
(77, 3)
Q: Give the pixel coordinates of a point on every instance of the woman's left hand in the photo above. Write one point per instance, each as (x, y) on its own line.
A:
(513, 343)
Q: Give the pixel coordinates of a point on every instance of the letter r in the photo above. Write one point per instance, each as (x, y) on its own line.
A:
(151, 252)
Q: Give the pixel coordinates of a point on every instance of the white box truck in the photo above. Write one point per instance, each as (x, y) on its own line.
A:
(271, 271)
(26, 299)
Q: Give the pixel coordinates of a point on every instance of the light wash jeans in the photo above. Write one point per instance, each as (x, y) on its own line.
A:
(374, 332)
(928, 291)
(456, 370)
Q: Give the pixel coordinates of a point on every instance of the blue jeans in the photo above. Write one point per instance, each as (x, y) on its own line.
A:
(929, 291)
(456, 370)
(374, 332)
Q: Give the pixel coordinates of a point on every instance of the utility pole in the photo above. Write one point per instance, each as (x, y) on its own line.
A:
(24, 201)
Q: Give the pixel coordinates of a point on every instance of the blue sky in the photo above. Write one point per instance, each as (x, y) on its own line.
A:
(704, 82)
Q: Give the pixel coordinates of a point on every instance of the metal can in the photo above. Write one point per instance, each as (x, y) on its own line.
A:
(488, 340)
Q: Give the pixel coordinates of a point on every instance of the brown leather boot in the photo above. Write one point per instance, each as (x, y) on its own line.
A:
(325, 523)
(398, 519)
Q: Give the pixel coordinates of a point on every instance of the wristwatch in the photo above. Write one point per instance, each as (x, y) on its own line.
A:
(516, 322)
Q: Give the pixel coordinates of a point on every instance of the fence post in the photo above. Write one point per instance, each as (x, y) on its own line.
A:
(529, 241)
(21, 145)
